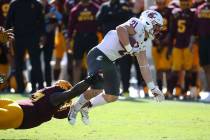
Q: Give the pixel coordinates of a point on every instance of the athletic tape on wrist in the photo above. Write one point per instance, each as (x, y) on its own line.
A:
(143, 66)
(128, 47)
(151, 85)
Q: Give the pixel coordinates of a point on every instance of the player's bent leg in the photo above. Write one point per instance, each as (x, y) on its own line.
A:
(83, 99)
(100, 99)
(110, 98)
(11, 114)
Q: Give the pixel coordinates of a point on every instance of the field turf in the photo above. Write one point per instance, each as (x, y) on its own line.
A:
(127, 120)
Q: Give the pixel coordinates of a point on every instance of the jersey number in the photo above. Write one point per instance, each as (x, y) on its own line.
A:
(181, 26)
(134, 23)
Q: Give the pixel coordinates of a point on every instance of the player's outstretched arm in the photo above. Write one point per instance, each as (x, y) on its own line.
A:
(147, 76)
(59, 98)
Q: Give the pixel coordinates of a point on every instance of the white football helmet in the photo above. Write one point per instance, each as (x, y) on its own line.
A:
(152, 21)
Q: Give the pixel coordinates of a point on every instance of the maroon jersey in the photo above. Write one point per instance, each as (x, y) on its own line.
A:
(69, 4)
(99, 2)
(202, 20)
(82, 18)
(38, 108)
(182, 26)
(166, 14)
(4, 8)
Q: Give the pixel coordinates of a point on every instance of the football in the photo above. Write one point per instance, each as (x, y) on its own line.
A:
(133, 42)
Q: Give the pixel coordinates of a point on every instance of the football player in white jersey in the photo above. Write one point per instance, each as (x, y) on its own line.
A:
(129, 38)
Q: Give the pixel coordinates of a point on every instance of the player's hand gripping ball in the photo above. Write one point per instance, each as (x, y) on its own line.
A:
(135, 46)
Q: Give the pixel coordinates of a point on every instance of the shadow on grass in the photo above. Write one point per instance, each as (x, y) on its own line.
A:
(134, 100)
(15, 94)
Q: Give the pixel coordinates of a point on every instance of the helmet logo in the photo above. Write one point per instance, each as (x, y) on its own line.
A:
(152, 15)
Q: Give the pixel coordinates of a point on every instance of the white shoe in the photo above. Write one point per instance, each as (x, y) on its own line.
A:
(72, 116)
(85, 117)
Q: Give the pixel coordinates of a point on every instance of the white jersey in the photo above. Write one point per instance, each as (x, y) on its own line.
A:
(111, 45)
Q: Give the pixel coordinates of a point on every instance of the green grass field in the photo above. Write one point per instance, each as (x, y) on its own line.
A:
(127, 120)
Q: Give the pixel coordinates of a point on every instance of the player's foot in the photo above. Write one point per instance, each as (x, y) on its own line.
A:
(126, 94)
(72, 116)
(85, 117)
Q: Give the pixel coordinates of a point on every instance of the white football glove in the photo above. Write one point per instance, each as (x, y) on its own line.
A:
(158, 95)
(134, 51)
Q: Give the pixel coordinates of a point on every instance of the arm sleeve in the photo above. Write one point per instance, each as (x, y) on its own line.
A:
(61, 114)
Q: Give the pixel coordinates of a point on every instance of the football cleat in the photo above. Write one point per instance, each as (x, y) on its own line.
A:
(72, 116)
(85, 117)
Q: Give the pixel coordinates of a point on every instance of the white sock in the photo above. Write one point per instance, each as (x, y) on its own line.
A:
(98, 100)
(80, 102)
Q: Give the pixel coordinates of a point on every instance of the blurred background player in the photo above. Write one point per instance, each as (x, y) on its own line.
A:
(82, 28)
(4, 50)
(181, 30)
(202, 30)
(53, 19)
(160, 49)
(6, 36)
(28, 23)
(63, 7)
(111, 14)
